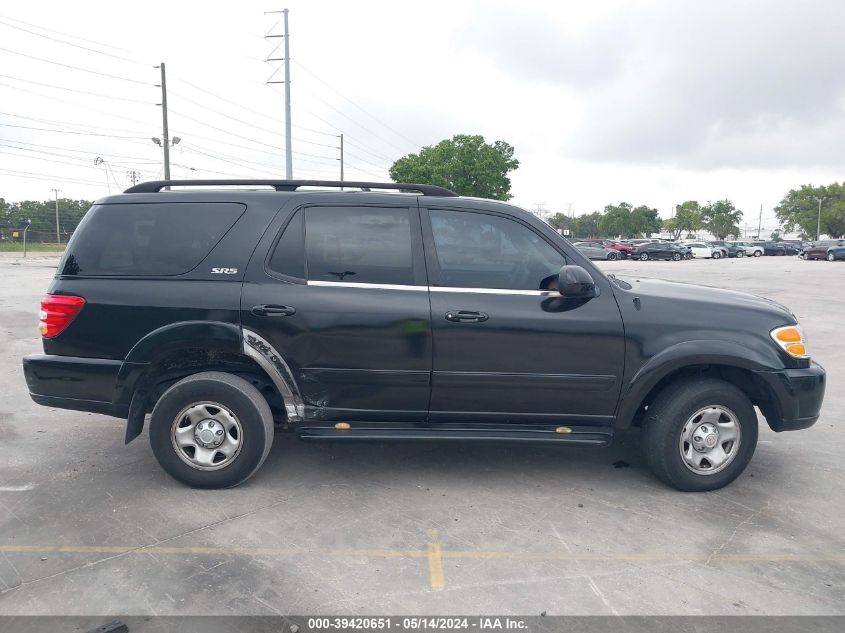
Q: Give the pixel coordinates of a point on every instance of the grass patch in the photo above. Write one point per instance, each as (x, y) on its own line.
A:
(17, 247)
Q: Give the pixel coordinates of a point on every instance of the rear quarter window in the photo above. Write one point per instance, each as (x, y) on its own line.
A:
(147, 239)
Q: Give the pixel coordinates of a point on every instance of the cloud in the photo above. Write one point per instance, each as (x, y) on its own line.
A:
(691, 84)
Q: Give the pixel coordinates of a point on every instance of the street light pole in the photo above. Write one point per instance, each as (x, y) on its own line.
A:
(819, 221)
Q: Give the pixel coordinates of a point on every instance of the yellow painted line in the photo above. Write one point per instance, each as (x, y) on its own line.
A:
(435, 560)
(433, 553)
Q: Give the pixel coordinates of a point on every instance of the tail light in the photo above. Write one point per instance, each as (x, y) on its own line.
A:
(57, 311)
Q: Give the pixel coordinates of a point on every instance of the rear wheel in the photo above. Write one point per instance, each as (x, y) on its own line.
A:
(831, 257)
(757, 253)
(717, 254)
(211, 430)
(699, 434)
(643, 257)
(740, 253)
(612, 256)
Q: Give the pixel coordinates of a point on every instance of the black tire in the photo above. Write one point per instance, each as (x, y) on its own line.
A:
(612, 256)
(676, 257)
(717, 255)
(643, 257)
(740, 253)
(757, 254)
(831, 257)
(664, 423)
(240, 398)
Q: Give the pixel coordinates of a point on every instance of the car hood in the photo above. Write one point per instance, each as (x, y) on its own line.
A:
(696, 294)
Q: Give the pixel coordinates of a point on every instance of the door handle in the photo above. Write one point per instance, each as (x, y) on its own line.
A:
(466, 316)
(273, 310)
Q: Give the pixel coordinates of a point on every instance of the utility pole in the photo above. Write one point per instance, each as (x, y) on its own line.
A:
(134, 176)
(341, 156)
(165, 140)
(286, 60)
(760, 222)
(58, 236)
(819, 221)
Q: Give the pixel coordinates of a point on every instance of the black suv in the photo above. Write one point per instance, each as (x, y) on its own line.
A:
(392, 315)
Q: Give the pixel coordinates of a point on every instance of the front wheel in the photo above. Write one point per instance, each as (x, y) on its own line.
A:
(717, 255)
(757, 253)
(643, 257)
(211, 430)
(612, 256)
(831, 257)
(676, 257)
(699, 434)
(740, 253)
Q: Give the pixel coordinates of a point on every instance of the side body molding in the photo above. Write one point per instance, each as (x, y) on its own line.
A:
(257, 348)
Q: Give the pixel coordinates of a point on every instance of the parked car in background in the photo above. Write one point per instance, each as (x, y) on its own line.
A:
(751, 250)
(658, 250)
(791, 249)
(685, 250)
(624, 250)
(732, 248)
(772, 248)
(702, 250)
(831, 250)
(595, 250)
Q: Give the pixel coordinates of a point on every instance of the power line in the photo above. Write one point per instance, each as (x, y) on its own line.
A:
(76, 125)
(343, 96)
(75, 37)
(84, 70)
(85, 48)
(40, 176)
(84, 92)
(346, 116)
(43, 129)
(73, 103)
(71, 156)
(253, 125)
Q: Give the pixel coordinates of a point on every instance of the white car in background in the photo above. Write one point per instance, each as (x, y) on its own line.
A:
(750, 249)
(703, 250)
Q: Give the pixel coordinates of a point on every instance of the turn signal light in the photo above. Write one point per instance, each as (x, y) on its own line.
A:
(57, 311)
(790, 339)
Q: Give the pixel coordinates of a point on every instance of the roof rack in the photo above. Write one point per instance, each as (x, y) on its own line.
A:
(154, 186)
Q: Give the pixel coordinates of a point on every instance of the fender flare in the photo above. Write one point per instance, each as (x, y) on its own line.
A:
(129, 388)
(688, 354)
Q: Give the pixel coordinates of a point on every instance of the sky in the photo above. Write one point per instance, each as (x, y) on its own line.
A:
(652, 102)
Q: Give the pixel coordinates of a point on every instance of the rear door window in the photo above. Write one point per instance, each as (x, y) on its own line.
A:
(359, 245)
(147, 239)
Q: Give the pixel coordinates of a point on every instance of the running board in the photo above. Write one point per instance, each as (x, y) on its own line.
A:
(374, 431)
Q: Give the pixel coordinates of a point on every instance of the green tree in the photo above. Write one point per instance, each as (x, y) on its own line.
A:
(616, 220)
(561, 221)
(687, 218)
(588, 225)
(721, 218)
(776, 236)
(799, 209)
(465, 164)
(13, 217)
(645, 221)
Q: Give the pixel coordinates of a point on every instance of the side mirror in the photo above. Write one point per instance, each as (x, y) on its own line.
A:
(575, 283)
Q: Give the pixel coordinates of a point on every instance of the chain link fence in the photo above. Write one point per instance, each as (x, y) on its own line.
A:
(45, 225)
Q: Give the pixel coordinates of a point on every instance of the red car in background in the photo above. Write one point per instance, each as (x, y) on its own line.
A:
(624, 250)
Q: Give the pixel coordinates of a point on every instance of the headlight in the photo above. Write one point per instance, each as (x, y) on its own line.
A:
(791, 340)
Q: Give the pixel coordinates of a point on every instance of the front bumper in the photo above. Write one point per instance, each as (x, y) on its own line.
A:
(797, 397)
(80, 384)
